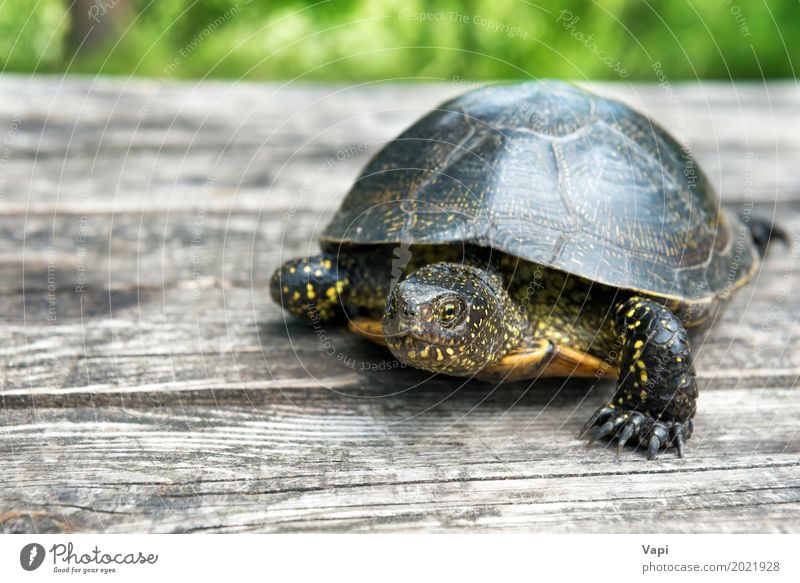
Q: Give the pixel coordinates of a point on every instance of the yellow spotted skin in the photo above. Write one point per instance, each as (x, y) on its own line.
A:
(461, 315)
(452, 318)
(656, 396)
(565, 309)
(346, 281)
(310, 287)
(656, 355)
(474, 217)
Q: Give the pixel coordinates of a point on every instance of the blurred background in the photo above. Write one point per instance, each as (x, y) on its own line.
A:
(344, 40)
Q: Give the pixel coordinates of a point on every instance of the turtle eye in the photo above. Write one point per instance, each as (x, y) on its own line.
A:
(449, 311)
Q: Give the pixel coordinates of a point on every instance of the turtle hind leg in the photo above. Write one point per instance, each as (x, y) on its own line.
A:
(310, 287)
(656, 391)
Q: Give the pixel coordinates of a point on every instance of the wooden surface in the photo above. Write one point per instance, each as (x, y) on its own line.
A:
(149, 384)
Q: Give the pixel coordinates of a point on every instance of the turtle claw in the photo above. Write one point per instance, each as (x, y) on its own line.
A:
(603, 430)
(626, 424)
(653, 447)
(598, 417)
(680, 441)
(624, 436)
(680, 433)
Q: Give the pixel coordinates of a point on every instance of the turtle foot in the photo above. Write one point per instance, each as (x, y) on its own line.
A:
(623, 424)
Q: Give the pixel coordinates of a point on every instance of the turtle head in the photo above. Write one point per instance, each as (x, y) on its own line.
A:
(451, 318)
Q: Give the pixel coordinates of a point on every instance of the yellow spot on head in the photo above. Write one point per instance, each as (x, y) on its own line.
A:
(296, 296)
(679, 359)
(292, 270)
(450, 351)
(643, 376)
(412, 354)
(306, 269)
(630, 313)
(439, 355)
(638, 344)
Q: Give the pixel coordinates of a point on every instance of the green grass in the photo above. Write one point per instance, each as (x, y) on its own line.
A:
(351, 40)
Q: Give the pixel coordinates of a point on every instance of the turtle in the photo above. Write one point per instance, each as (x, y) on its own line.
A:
(537, 229)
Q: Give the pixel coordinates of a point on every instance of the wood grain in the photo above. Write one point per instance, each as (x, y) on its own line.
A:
(148, 383)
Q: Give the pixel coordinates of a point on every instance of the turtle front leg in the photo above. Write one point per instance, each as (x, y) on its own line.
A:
(656, 390)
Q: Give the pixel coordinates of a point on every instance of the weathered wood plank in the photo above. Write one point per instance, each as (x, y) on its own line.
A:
(140, 146)
(231, 338)
(168, 394)
(201, 248)
(483, 459)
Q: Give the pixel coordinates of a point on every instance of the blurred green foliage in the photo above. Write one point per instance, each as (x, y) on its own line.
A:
(384, 39)
(33, 34)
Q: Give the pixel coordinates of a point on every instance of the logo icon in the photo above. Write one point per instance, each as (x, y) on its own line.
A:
(31, 556)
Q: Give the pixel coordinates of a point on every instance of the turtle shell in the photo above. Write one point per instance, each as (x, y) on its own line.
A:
(555, 175)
